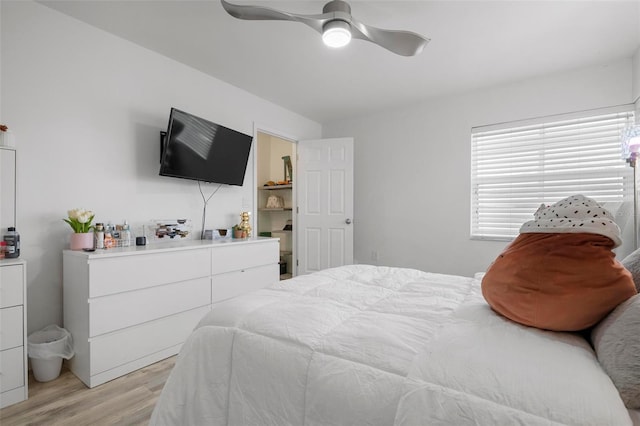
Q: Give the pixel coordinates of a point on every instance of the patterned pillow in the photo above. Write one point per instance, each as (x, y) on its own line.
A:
(617, 343)
(574, 215)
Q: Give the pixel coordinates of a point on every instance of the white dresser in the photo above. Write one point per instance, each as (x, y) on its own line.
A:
(13, 332)
(129, 307)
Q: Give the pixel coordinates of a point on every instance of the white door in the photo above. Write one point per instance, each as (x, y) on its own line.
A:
(324, 187)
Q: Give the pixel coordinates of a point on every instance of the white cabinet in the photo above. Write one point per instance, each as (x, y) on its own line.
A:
(130, 307)
(13, 337)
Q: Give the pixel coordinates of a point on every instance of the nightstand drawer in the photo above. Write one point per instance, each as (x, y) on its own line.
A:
(242, 256)
(11, 369)
(11, 292)
(11, 333)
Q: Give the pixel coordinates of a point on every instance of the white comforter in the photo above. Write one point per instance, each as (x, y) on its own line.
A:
(371, 345)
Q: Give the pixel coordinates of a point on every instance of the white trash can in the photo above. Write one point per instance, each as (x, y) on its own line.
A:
(46, 349)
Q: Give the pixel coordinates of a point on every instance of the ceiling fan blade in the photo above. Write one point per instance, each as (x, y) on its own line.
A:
(261, 13)
(405, 43)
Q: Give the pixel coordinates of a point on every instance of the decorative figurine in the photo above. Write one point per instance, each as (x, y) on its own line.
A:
(244, 224)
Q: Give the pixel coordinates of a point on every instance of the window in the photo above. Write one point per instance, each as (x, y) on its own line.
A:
(517, 166)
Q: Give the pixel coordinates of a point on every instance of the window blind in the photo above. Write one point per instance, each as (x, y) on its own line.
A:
(515, 169)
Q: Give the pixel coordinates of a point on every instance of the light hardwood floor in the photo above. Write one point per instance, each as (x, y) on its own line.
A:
(128, 400)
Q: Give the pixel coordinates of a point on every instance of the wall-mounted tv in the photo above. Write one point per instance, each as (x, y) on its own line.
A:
(198, 149)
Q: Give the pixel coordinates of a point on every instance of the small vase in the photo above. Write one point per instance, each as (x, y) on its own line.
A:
(81, 241)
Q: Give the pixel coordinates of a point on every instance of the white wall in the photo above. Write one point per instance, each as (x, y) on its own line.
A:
(263, 158)
(636, 83)
(636, 73)
(279, 148)
(270, 153)
(412, 166)
(87, 108)
(1, 122)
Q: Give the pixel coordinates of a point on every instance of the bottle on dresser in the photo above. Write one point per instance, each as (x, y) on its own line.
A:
(99, 231)
(12, 240)
(125, 235)
(109, 240)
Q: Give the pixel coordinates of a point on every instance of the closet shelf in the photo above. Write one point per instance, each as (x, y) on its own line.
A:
(272, 187)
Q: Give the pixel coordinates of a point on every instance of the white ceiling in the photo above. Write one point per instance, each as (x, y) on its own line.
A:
(473, 44)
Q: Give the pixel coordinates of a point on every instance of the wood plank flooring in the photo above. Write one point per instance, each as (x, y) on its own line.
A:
(128, 400)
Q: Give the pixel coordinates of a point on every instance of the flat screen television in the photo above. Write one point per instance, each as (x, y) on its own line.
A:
(198, 149)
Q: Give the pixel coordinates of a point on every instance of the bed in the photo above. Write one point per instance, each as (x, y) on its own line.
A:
(368, 345)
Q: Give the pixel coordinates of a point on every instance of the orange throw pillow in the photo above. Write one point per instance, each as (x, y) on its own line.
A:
(557, 281)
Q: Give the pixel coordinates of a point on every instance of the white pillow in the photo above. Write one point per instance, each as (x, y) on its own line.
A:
(632, 263)
(616, 340)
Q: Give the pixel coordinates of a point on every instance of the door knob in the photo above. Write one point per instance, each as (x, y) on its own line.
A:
(348, 221)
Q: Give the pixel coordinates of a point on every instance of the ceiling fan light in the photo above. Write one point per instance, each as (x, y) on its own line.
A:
(336, 33)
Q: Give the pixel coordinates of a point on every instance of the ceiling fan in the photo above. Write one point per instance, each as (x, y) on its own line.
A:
(337, 26)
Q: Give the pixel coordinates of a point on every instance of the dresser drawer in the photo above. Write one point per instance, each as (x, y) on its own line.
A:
(11, 332)
(11, 292)
(232, 284)
(110, 313)
(116, 349)
(11, 369)
(241, 256)
(117, 274)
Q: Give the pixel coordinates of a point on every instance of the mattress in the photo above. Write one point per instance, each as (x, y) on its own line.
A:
(373, 345)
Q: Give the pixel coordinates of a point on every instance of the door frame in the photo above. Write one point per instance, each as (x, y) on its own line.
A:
(260, 128)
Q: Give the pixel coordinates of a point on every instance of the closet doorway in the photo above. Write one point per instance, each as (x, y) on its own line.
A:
(275, 183)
